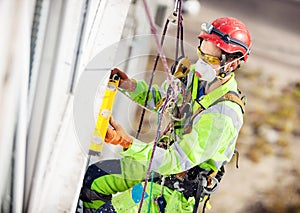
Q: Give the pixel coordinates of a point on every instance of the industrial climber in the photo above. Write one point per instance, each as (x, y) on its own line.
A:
(200, 141)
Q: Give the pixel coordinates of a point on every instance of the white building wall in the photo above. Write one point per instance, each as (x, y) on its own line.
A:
(49, 162)
(60, 161)
(15, 22)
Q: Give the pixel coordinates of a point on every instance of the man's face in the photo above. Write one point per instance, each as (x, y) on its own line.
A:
(211, 50)
(212, 55)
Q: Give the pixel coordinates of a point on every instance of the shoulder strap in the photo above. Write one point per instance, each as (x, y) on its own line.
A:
(234, 97)
(210, 98)
(230, 96)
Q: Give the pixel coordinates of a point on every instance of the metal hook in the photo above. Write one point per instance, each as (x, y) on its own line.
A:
(213, 189)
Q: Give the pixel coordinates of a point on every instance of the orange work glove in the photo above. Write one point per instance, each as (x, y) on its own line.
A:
(118, 135)
(125, 82)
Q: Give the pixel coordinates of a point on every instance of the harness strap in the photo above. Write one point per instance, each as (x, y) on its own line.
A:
(198, 194)
(229, 96)
(211, 176)
(232, 96)
(210, 98)
(206, 203)
(236, 152)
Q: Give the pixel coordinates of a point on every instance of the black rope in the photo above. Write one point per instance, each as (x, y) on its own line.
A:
(181, 38)
(179, 33)
(151, 80)
(205, 203)
(180, 23)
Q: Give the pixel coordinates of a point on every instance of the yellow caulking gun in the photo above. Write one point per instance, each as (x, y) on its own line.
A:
(105, 113)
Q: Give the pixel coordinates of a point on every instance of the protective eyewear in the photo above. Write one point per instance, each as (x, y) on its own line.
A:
(208, 58)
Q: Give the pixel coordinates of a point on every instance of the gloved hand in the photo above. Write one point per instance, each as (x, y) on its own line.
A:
(125, 82)
(118, 135)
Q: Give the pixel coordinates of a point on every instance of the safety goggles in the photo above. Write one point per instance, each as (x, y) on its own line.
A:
(208, 58)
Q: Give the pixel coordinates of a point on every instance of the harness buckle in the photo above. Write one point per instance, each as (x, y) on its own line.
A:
(211, 186)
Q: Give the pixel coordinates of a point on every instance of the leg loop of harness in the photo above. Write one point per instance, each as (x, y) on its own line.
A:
(196, 182)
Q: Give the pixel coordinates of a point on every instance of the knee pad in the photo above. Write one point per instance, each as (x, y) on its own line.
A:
(88, 195)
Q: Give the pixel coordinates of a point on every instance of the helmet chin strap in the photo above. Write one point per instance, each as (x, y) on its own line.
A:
(222, 73)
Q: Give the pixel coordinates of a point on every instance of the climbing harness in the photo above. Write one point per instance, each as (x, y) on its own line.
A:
(196, 182)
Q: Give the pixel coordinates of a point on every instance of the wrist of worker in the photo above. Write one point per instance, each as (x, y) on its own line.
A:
(135, 147)
(140, 86)
(133, 85)
(125, 143)
(128, 85)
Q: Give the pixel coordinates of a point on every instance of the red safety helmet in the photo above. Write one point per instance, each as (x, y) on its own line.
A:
(229, 34)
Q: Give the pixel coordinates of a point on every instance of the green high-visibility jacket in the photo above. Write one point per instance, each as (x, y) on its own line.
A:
(211, 142)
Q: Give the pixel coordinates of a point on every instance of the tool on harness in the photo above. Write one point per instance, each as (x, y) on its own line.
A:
(161, 202)
(199, 193)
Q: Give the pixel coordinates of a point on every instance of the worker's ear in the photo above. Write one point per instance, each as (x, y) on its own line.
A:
(232, 65)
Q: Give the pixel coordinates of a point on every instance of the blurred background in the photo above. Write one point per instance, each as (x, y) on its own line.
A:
(46, 48)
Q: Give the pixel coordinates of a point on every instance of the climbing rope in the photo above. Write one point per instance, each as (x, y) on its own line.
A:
(160, 116)
(178, 7)
(151, 79)
(172, 85)
(150, 195)
(178, 13)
